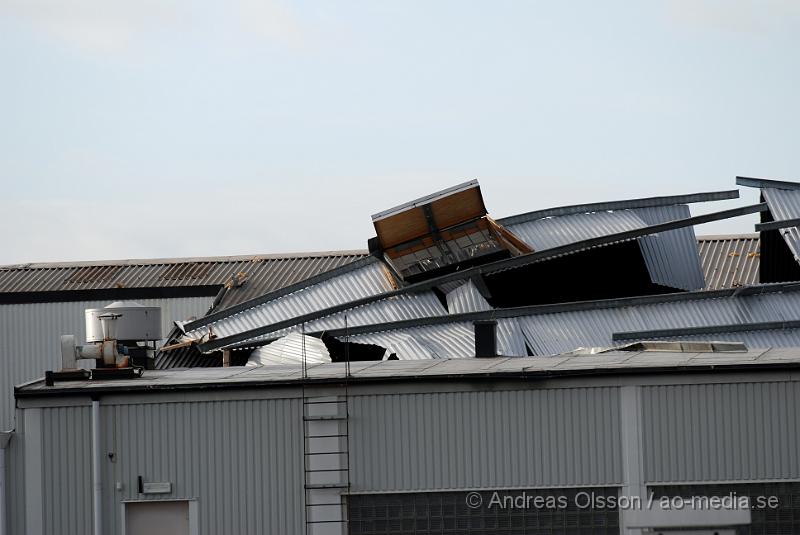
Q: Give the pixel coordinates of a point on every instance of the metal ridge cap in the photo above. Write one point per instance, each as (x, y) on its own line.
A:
(644, 202)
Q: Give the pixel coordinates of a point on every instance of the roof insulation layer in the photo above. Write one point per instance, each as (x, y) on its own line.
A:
(729, 261)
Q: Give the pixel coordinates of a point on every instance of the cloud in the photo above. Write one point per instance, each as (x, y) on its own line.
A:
(739, 16)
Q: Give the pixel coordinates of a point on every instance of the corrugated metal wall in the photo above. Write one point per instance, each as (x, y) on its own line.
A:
(721, 432)
(524, 438)
(242, 460)
(67, 500)
(29, 337)
(15, 482)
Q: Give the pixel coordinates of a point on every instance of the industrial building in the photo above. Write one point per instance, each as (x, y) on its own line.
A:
(597, 351)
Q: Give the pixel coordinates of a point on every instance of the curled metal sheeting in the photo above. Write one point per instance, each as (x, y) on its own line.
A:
(369, 280)
(293, 348)
(550, 334)
(452, 340)
(466, 298)
(671, 257)
(455, 340)
(551, 232)
(397, 308)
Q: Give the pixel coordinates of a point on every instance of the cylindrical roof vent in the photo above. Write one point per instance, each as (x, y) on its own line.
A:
(135, 322)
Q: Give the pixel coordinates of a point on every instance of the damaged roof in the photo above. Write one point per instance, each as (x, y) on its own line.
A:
(598, 274)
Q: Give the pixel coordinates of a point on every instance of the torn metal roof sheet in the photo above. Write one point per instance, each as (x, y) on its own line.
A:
(454, 340)
(730, 261)
(671, 257)
(466, 298)
(554, 329)
(370, 278)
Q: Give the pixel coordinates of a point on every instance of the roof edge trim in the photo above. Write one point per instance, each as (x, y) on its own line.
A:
(645, 202)
(755, 182)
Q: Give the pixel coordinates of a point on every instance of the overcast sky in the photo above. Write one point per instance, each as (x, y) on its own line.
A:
(158, 128)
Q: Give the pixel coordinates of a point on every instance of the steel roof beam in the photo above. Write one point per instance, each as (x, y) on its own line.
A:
(775, 225)
(647, 202)
(752, 182)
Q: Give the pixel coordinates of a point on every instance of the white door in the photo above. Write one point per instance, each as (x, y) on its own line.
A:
(157, 518)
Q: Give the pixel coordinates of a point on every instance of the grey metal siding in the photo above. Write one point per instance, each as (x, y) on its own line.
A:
(15, 481)
(242, 460)
(67, 470)
(458, 440)
(721, 432)
(29, 338)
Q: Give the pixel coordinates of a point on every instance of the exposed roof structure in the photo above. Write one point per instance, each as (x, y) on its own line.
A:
(610, 362)
(739, 315)
(661, 283)
(257, 323)
(729, 261)
(243, 277)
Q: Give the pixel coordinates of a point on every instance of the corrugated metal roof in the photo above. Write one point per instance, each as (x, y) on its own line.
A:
(260, 273)
(551, 232)
(458, 369)
(452, 340)
(785, 204)
(560, 329)
(466, 298)
(267, 329)
(671, 257)
(369, 279)
(729, 261)
(397, 308)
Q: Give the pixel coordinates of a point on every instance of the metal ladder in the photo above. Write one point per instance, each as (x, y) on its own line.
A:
(326, 457)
